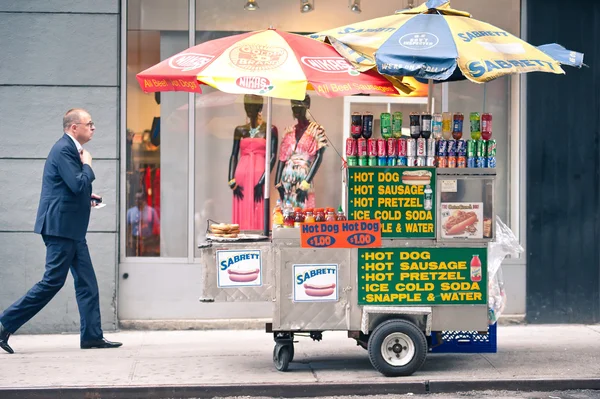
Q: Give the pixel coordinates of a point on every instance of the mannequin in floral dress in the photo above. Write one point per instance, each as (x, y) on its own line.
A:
(301, 153)
(247, 166)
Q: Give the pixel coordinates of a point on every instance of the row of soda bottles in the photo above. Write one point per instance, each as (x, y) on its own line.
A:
(290, 217)
(421, 152)
(446, 125)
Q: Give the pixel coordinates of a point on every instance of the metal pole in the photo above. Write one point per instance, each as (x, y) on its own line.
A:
(429, 95)
(267, 205)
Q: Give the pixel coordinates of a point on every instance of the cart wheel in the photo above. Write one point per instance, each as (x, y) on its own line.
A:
(282, 356)
(397, 348)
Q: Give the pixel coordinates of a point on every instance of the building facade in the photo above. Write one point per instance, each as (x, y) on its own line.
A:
(161, 162)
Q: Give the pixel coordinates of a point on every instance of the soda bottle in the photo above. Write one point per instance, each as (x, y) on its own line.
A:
(356, 125)
(277, 216)
(340, 214)
(385, 124)
(415, 125)
(397, 125)
(436, 126)
(457, 125)
(475, 268)
(475, 120)
(428, 198)
(486, 126)
(367, 127)
(447, 125)
(426, 125)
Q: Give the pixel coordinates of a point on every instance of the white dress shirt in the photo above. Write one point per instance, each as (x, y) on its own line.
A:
(77, 144)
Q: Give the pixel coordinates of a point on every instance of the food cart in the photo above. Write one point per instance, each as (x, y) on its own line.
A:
(411, 260)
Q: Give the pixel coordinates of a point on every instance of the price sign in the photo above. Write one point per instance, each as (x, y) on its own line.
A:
(343, 234)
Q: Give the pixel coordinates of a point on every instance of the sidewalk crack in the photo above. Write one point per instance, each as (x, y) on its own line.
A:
(590, 328)
(489, 362)
(135, 358)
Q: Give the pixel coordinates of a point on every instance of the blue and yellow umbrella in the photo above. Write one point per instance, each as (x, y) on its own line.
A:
(432, 40)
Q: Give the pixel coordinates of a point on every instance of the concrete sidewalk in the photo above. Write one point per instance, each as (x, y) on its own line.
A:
(160, 364)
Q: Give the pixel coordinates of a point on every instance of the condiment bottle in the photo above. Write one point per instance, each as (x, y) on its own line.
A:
(330, 217)
(319, 215)
(299, 218)
(277, 217)
(288, 216)
(340, 214)
(310, 217)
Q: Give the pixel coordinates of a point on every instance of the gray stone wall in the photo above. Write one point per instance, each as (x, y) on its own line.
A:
(56, 55)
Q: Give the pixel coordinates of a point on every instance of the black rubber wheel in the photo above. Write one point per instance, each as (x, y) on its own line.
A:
(282, 355)
(397, 348)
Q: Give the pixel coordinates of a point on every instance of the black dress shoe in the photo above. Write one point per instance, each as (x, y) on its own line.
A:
(4, 335)
(100, 344)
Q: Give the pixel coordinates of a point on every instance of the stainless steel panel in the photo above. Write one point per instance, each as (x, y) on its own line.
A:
(343, 314)
(210, 290)
(459, 318)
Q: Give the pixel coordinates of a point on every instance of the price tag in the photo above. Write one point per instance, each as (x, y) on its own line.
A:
(449, 186)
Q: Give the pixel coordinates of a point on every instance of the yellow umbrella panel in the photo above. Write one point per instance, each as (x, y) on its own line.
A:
(430, 43)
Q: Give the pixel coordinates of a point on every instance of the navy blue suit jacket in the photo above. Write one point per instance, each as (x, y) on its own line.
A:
(64, 209)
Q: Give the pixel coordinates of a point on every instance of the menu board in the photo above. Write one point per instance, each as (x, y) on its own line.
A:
(402, 199)
(422, 276)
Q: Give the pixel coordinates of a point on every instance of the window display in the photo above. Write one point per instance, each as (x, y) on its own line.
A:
(159, 135)
(247, 165)
(302, 149)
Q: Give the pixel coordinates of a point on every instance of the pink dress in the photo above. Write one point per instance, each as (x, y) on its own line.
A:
(250, 168)
(299, 159)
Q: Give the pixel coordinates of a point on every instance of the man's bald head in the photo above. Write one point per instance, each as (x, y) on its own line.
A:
(72, 116)
(78, 123)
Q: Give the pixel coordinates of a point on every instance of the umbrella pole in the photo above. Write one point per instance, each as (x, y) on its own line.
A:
(268, 149)
(484, 94)
(429, 95)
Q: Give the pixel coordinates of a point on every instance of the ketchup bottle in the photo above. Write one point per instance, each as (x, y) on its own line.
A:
(319, 215)
(475, 268)
(299, 219)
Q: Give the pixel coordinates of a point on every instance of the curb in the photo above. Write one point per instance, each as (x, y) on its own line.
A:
(301, 390)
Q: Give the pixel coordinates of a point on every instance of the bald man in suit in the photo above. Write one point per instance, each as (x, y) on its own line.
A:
(62, 220)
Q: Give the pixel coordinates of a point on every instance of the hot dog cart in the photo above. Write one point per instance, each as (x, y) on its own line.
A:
(414, 263)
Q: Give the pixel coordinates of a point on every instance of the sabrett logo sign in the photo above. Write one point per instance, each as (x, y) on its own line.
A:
(307, 275)
(480, 68)
(225, 264)
(468, 36)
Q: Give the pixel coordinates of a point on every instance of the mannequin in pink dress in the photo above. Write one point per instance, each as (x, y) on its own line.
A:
(247, 166)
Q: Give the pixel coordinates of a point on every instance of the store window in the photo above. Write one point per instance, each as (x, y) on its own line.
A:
(219, 114)
(157, 177)
(157, 125)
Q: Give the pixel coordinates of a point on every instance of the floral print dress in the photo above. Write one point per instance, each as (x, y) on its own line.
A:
(299, 158)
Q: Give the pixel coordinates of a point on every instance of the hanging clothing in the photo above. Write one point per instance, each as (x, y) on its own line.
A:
(250, 168)
(148, 185)
(156, 190)
(299, 158)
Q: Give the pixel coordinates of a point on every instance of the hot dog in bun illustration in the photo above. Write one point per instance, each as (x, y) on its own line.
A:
(461, 222)
(243, 276)
(319, 289)
(416, 177)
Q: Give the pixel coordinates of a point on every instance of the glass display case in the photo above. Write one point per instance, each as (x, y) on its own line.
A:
(465, 204)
